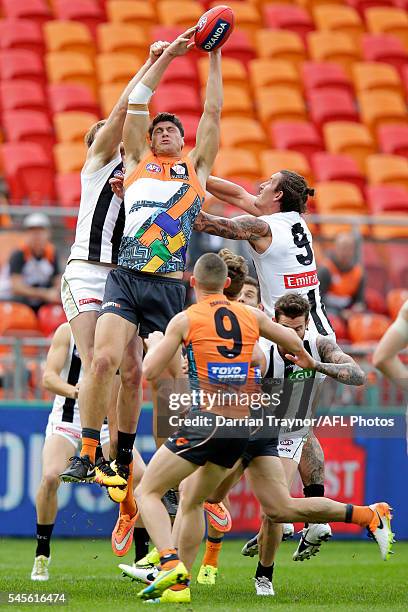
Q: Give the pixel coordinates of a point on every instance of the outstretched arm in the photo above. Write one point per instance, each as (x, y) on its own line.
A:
(162, 352)
(395, 339)
(245, 227)
(232, 194)
(208, 133)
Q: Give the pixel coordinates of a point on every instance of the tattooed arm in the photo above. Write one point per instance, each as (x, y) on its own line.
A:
(337, 364)
(245, 227)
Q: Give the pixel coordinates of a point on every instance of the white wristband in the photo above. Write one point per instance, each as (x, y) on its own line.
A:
(134, 112)
(140, 94)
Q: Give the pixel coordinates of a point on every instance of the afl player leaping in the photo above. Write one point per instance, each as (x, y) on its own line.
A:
(164, 193)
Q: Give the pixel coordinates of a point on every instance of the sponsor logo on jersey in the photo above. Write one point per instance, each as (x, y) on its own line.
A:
(89, 301)
(179, 171)
(220, 27)
(153, 168)
(303, 279)
(201, 23)
(302, 374)
(226, 373)
(108, 304)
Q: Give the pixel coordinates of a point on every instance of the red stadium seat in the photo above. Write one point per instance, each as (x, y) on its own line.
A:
(288, 17)
(177, 99)
(70, 96)
(339, 327)
(376, 277)
(50, 316)
(69, 189)
(296, 136)
(375, 301)
(35, 10)
(384, 48)
(367, 327)
(362, 5)
(386, 20)
(331, 105)
(21, 64)
(21, 95)
(239, 47)
(21, 34)
(387, 198)
(395, 299)
(17, 317)
(88, 12)
(325, 75)
(190, 125)
(29, 172)
(181, 72)
(331, 167)
(393, 139)
(29, 126)
(163, 32)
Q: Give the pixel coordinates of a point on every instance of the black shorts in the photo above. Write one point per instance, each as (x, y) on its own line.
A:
(259, 447)
(208, 442)
(147, 300)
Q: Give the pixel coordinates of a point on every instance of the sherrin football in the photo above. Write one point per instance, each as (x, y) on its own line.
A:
(214, 28)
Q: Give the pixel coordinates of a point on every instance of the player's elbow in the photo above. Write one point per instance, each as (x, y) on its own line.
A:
(213, 109)
(361, 377)
(378, 360)
(149, 371)
(47, 380)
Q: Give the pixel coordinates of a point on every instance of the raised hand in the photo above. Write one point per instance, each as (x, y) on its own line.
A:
(157, 48)
(182, 44)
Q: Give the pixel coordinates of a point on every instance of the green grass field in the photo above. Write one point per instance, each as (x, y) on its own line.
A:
(344, 576)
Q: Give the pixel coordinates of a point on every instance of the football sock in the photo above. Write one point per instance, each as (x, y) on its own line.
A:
(141, 539)
(128, 506)
(125, 448)
(359, 515)
(98, 453)
(212, 550)
(168, 558)
(44, 533)
(90, 440)
(264, 570)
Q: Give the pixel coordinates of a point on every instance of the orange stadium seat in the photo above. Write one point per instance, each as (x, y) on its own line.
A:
(331, 105)
(332, 167)
(280, 104)
(35, 10)
(176, 99)
(50, 316)
(70, 96)
(116, 67)
(335, 18)
(182, 72)
(137, 12)
(69, 67)
(29, 172)
(247, 15)
(385, 20)
(367, 327)
(237, 101)
(88, 12)
(325, 75)
(349, 139)
(395, 299)
(21, 34)
(288, 17)
(273, 161)
(68, 36)
(393, 139)
(122, 38)
(29, 126)
(17, 317)
(21, 95)
(383, 169)
(379, 107)
(270, 72)
(243, 133)
(371, 76)
(236, 162)
(108, 96)
(233, 71)
(342, 199)
(384, 48)
(21, 64)
(280, 44)
(69, 156)
(183, 13)
(297, 136)
(72, 126)
(404, 79)
(333, 47)
(362, 5)
(239, 47)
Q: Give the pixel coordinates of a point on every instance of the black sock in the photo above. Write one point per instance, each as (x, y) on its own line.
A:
(98, 453)
(125, 448)
(88, 432)
(44, 533)
(215, 540)
(314, 490)
(141, 538)
(263, 570)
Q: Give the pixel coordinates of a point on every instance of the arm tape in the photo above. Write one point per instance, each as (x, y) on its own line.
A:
(136, 112)
(140, 94)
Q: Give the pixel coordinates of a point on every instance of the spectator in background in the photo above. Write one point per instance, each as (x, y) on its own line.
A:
(33, 269)
(341, 277)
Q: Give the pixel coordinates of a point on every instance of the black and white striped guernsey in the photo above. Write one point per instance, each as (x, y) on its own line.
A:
(101, 217)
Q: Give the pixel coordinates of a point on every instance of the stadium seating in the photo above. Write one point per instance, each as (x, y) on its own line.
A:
(138, 12)
(395, 299)
(273, 161)
(21, 64)
(116, 67)
(270, 72)
(239, 47)
(339, 327)
(246, 13)
(288, 17)
(68, 36)
(15, 317)
(50, 316)
(69, 194)
(385, 20)
(233, 71)
(37, 11)
(341, 199)
(280, 104)
(122, 38)
(236, 162)
(384, 48)
(29, 126)
(371, 76)
(73, 125)
(70, 67)
(296, 136)
(237, 101)
(69, 156)
(283, 45)
(71, 97)
(393, 139)
(331, 105)
(108, 96)
(29, 172)
(325, 75)
(351, 139)
(21, 95)
(177, 99)
(21, 34)
(333, 47)
(383, 169)
(363, 328)
(379, 107)
(244, 133)
(337, 18)
(183, 13)
(332, 167)
(85, 11)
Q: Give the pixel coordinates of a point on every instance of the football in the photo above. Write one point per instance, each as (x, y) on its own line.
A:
(214, 28)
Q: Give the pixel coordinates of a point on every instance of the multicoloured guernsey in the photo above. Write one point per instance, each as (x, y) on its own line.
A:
(163, 197)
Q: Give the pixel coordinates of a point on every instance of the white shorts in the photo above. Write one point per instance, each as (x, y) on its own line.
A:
(82, 287)
(70, 431)
(291, 446)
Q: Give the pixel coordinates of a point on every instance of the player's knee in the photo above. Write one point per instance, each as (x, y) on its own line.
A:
(104, 364)
(50, 480)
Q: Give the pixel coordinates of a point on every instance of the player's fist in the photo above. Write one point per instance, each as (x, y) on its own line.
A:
(116, 184)
(153, 339)
(157, 48)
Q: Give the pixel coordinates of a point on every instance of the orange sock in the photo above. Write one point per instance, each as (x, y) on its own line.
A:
(128, 506)
(179, 587)
(89, 448)
(212, 550)
(168, 558)
(362, 515)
